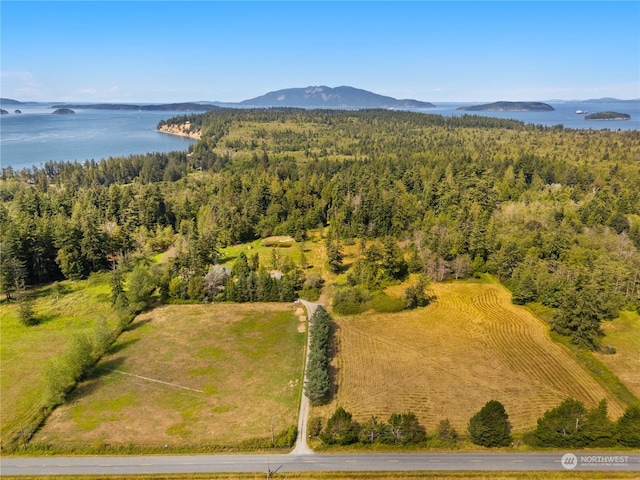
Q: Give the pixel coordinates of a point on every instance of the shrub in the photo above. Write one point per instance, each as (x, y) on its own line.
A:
(446, 432)
(416, 296)
(383, 303)
(350, 301)
(26, 315)
(314, 428)
(311, 294)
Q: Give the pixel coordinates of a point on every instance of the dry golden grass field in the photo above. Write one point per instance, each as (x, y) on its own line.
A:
(204, 374)
(448, 359)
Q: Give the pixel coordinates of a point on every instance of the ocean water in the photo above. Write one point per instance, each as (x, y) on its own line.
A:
(564, 114)
(36, 136)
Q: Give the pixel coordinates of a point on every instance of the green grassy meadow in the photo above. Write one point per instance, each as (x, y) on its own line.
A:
(623, 334)
(24, 351)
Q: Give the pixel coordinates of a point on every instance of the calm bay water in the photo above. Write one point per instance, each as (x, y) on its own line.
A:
(36, 136)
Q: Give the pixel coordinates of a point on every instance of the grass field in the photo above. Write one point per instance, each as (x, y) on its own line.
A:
(189, 375)
(25, 350)
(448, 359)
(623, 333)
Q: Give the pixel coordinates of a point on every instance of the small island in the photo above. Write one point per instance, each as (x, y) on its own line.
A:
(510, 107)
(3, 112)
(18, 112)
(63, 111)
(607, 116)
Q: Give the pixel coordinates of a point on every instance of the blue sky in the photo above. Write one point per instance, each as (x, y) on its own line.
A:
(433, 51)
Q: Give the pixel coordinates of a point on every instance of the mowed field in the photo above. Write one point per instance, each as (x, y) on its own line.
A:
(448, 359)
(623, 333)
(190, 374)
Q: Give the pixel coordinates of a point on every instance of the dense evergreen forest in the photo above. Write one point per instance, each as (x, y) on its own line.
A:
(554, 213)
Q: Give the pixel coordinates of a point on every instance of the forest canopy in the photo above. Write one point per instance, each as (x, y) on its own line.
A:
(554, 213)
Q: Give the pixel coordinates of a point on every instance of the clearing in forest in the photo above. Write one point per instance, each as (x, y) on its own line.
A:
(184, 375)
(447, 360)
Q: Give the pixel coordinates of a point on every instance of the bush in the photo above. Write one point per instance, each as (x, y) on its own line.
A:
(314, 428)
(490, 426)
(383, 303)
(26, 315)
(350, 301)
(446, 432)
(311, 294)
(416, 296)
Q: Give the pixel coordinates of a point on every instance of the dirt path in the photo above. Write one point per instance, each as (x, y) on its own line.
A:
(302, 448)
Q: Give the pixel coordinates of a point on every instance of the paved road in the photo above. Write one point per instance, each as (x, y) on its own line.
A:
(309, 463)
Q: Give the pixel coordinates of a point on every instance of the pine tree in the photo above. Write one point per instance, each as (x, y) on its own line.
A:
(490, 426)
(561, 426)
(341, 429)
(629, 427)
(335, 255)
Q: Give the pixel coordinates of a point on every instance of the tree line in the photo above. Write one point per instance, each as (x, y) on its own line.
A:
(570, 425)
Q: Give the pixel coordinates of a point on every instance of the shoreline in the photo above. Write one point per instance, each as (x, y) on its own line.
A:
(180, 131)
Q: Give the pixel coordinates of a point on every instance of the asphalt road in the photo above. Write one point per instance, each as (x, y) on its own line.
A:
(309, 463)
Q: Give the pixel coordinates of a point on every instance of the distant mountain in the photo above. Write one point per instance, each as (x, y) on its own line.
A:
(171, 107)
(9, 101)
(611, 100)
(510, 107)
(327, 97)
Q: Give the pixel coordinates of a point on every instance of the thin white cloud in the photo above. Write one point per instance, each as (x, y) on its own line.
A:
(21, 85)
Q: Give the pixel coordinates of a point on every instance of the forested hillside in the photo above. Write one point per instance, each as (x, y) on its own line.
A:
(554, 213)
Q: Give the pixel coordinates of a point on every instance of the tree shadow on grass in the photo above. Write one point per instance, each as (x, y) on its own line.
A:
(137, 324)
(42, 319)
(119, 346)
(333, 370)
(93, 379)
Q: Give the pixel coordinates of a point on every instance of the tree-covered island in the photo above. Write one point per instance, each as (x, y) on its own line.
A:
(607, 116)
(510, 107)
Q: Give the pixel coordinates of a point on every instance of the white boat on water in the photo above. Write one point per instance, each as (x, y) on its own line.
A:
(580, 112)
